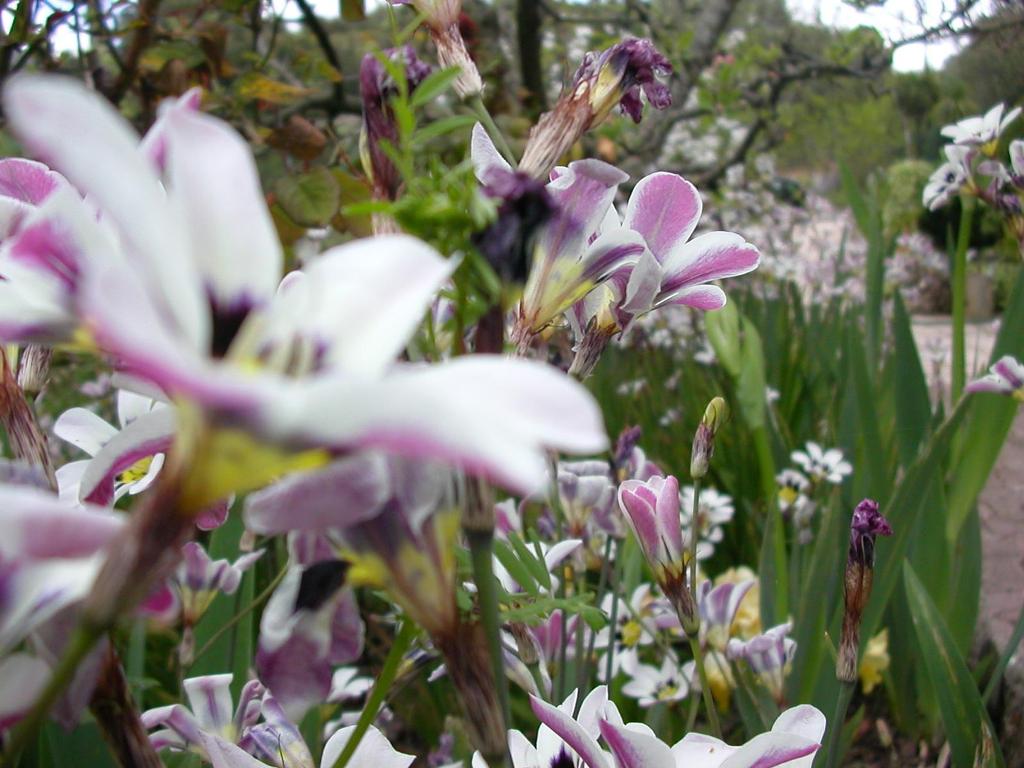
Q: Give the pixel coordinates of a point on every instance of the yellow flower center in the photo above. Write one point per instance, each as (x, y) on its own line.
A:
(136, 471)
(631, 632)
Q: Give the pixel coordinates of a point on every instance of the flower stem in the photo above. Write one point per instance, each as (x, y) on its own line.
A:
(612, 626)
(698, 656)
(477, 105)
(963, 239)
(607, 568)
(835, 726)
(380, 689)
(694, 525)
(481, 546)
(256, 602)
(705, 689)
(85, 637)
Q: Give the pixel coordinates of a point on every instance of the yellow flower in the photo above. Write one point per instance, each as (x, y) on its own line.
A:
(875, 661)
(720, 679)
(747, 622)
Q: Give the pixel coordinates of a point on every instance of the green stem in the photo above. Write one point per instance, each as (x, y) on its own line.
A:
(691, 713)
(612, 627)
(1004, 660)
(694, 529)
(835, 725)
(963, 239)
(607, 566)
(705, 689)
(477, 105)
(256, 602)
(481, 547)
(379, 692)
(82, 642)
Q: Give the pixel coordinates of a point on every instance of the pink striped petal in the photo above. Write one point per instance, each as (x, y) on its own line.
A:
(104, 162)
(27, 181)
(635, 749)
(706, 297)
(708, 257)
(36, 525)
(665, 209)
(572, 733)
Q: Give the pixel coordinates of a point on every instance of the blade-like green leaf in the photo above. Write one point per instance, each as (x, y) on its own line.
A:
(516, 567)
(434, 85)
(963, 714)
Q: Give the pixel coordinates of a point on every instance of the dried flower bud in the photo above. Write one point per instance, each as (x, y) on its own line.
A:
(867, 523)
(715, 416)
(377, 87)
(27, 441)
(613, 77)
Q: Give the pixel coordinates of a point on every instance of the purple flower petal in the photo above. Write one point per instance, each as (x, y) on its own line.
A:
(634, 749)
(709, 257)
(343, 493)
(665, 209)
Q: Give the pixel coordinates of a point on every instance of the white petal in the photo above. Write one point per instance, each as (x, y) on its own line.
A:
(374, 751)
(104, 162)
(367, 297)
(213, 178)
(83, 429)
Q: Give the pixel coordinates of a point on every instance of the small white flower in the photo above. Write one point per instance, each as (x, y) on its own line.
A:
(650, 686)
(715, 510)
(823, 465)
(948, 179)
(982, 129)
(792, 486)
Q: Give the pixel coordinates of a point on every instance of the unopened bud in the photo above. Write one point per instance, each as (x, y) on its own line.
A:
(715, 415)
(867, 523)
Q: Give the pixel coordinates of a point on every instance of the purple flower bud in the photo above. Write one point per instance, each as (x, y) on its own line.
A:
(867, 523)
(618, 74)
(377, 87)
(525, 205)
(614, 77)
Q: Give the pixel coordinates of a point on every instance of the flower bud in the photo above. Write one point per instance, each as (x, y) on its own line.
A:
(867, 523)
(377, 87)
(524, 205)
(715, 415)
(613, 77)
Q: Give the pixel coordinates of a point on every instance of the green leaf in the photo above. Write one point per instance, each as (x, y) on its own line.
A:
(532, 559)
(516, 567)
(436, 83)
(310, 199)
(963, 713)
(913, 412)
(441, 127)
(751, 388)
(723, 329)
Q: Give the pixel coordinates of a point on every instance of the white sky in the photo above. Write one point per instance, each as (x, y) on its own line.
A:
(895, 20)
